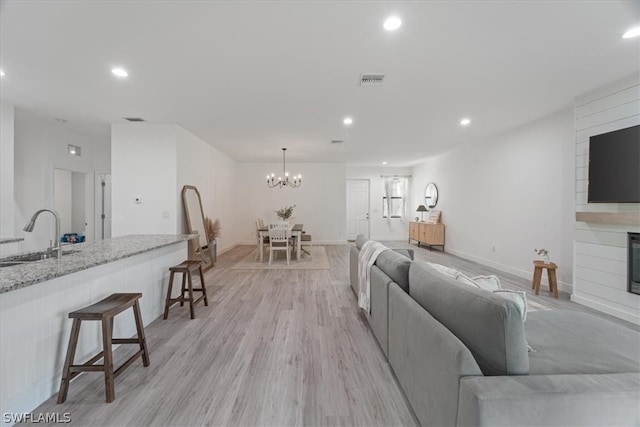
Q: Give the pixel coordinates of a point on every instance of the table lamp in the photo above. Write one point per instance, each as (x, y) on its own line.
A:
(422, 209)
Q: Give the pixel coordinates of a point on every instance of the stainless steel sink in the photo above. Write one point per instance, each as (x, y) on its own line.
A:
(30, 257)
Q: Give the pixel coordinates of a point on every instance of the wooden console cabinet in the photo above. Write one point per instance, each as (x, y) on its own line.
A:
(427, 234)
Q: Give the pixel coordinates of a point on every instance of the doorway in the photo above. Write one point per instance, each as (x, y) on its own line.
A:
(357, 208)
(73, 200)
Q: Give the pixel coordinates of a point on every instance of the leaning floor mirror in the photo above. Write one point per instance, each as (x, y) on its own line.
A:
(198, 247)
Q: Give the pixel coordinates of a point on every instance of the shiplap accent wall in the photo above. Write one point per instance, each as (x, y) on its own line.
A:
(600, 250)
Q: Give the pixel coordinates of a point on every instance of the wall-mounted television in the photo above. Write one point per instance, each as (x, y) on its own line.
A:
(614, 167)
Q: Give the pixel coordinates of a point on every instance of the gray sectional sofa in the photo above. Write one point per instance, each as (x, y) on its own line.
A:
(460, 354)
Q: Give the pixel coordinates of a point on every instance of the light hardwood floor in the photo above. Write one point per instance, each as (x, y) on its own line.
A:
(274, 347)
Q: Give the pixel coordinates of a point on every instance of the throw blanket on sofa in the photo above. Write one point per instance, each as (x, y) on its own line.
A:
(367, 256)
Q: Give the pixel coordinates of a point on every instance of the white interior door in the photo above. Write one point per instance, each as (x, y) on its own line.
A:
(357, 208)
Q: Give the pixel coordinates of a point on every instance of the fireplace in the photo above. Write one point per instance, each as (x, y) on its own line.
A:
(633, 262)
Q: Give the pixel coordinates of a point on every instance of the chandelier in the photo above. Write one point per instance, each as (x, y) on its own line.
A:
(296, 181)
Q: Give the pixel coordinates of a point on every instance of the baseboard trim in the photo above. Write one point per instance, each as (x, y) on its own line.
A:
(596, 305)
(562, 286)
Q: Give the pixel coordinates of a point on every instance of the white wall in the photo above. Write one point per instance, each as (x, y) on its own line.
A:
(143, 165)
(506, 197)
(154, 162)
(601, 249)
(320, 201)
(41, 147)
(214, 174)
(6, 169)
(383, 228)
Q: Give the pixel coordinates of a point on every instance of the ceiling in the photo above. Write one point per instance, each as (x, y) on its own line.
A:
(250, 77)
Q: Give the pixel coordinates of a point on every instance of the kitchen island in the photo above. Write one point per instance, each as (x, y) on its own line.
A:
(36, 297)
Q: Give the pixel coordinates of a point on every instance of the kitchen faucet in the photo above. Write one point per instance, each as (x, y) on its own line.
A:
(56, 238)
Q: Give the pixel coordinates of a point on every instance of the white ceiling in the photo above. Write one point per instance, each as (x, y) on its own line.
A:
(250, 77)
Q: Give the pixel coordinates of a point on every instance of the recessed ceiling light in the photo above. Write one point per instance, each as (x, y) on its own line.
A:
(120, 72)
(347, 121)
(384, 163)
(633, 32)
(1, 73)
(392, 23)
(465, 121)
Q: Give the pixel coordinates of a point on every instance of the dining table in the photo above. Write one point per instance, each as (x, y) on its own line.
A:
(296, 232)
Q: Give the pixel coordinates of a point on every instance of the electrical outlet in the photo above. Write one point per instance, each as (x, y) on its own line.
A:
(493, 248)
(165, 214)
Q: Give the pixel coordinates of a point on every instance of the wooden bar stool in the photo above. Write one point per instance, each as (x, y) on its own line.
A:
(186, 267)
(104, 311)
(551, 274)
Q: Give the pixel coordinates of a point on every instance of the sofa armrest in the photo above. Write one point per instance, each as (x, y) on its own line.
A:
(550, 400)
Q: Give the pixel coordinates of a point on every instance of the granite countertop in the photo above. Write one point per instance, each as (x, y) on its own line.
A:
(10, 239)
(84, 256)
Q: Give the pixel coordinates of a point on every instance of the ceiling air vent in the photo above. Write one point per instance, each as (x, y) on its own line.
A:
(133, 119)
(373, 79)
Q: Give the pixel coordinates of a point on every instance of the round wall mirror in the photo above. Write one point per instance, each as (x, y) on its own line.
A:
(431, 195)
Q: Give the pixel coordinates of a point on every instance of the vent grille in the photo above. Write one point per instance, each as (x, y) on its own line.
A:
(337, 141)
(134, 119)
(372, 79)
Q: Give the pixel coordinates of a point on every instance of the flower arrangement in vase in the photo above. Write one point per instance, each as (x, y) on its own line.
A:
(544, 253)
(285, 213)
(212, 228)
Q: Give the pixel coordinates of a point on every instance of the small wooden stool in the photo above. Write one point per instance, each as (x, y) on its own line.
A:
(551, 274)
(104, 311)
(306, 238)
(186, 267)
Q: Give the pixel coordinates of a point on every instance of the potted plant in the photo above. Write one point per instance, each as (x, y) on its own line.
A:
(544, 253)
(285, 213)
(212, 228)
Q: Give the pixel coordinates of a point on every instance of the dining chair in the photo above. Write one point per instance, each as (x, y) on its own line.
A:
(279, 240)
(259, 242)
(305, 240)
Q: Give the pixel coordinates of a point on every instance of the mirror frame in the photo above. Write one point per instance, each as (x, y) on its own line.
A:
(195, 222)
(431, 192)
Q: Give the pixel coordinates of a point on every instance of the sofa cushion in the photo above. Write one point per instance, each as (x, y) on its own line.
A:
(360, 239)
(395, 266)
(489, 283)
(490, 326)
(570, 342)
